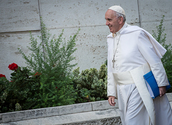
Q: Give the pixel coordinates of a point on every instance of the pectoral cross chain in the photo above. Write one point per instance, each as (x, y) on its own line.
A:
(113, 61)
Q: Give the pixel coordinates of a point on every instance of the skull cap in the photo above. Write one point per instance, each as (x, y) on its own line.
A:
(118, 9)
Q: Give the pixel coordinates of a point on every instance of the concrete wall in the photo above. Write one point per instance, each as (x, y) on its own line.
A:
(18, 17)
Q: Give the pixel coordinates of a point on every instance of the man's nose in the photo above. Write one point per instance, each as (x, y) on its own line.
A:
(107, 23)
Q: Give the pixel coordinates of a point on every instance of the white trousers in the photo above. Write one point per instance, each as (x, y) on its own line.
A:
(133, 111)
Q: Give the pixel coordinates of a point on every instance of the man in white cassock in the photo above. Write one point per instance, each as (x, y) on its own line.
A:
(133, 52)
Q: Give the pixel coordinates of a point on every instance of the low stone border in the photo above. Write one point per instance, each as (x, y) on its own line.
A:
(106, 121)
(59, 111)
(54, 111)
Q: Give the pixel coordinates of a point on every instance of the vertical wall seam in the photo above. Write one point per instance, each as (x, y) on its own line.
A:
(139, 13)
(91, 107)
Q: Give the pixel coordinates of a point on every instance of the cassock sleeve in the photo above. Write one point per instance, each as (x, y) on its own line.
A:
(111, 84)
(149, 53)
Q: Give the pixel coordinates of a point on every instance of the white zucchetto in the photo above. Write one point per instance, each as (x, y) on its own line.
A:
(118, 9)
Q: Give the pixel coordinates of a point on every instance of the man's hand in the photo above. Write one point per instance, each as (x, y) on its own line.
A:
(111, 100)
(162, 90)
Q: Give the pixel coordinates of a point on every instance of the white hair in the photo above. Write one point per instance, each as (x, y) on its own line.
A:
(121, 15)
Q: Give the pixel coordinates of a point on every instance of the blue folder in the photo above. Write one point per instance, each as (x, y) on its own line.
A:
(152, 85)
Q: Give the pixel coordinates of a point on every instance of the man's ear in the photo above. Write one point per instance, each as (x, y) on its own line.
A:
(120, 20)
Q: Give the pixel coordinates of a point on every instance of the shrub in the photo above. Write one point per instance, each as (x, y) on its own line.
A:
(3, 93)
(160, 36)
(91, 84)
(52, 59)
(47, 79)
(16, 92)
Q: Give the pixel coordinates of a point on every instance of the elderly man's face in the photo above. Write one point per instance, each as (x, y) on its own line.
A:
(112, 21)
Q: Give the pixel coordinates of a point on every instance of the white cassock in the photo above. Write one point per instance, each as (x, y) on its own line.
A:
(134, 50)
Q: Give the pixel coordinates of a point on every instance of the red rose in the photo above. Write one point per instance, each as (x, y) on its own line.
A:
(1, 75)
(37, 74)
(13, 66)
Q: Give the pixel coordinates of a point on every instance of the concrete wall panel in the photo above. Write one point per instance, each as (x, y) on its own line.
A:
(89, 17)
(91, 48)
(152, 10)
(19, 15)
(9, 50)
(74, 13)
(149, 26)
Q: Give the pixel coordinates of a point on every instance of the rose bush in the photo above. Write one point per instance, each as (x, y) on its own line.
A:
(1, 75)
(13, 66)
(20, 92)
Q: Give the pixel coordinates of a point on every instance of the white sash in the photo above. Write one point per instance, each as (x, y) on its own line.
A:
(136, 76)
